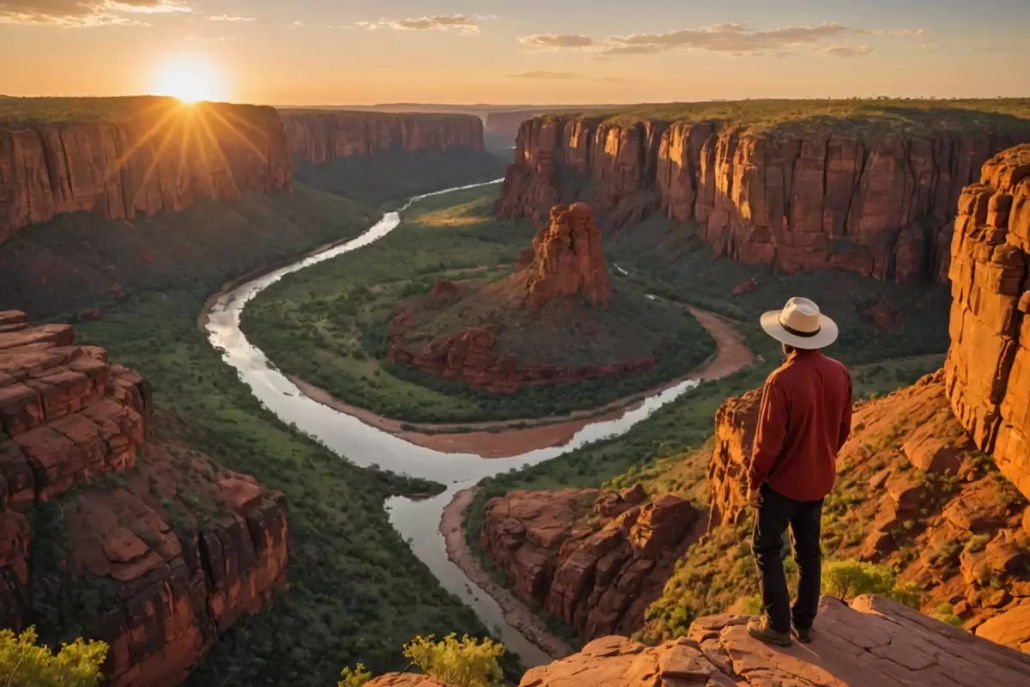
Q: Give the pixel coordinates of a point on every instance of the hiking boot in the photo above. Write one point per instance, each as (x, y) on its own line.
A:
(760, 630)
(803, 634)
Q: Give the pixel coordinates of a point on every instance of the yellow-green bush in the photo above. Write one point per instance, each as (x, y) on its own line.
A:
(464, 663)
(354, 677)
(23, 663)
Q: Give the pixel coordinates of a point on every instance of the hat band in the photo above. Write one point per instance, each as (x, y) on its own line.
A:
(797, 332)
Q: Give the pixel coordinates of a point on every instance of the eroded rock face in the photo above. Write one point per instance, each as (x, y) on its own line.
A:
(796, 201)
(599, 575)
(319, 137)
(872, 643)
(182, 575)
(988, 365)
(735, 425)
(568, 259)
(161, 157)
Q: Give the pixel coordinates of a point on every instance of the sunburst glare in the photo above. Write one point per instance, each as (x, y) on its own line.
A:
(190, 79)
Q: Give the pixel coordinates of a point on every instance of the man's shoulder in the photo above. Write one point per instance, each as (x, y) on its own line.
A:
(835, 364)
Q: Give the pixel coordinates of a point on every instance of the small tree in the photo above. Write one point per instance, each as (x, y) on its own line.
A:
(465, 663)
(23, 662)
(355, 677)
(847, 579)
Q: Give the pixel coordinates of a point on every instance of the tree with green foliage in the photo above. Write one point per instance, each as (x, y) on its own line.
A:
(23, 663)
(355, 677)
(465, 663)
(849, 578)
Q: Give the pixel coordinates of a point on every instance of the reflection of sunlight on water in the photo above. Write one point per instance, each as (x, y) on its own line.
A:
(416, 521)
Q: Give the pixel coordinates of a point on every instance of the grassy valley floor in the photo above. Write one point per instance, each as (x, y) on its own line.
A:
(339, 311)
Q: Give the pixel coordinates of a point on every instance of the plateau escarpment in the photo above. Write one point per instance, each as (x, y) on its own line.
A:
(865, 188)
(317, 136)
(124, 157)
(108, 533)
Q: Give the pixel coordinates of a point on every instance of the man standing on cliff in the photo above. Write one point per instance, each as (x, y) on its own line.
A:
(804, 420)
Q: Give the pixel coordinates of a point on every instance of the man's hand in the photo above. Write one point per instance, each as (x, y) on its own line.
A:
(754, 498)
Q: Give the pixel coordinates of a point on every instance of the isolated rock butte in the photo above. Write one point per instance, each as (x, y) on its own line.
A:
(872, 643)
(598, 577)
(796, 201)
(568, 259)
(912, 492)
(988, 364)
(67, 416)
(163, 157)
(319, 137)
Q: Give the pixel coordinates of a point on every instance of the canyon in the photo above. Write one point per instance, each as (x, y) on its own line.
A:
(143, 156)
(143, 543)
(816, 192)
(318, 137)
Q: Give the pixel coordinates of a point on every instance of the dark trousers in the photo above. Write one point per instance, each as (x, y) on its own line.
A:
(776, 513)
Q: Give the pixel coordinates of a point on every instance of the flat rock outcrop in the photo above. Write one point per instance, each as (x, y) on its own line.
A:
(151, 155)
(182, 549)
(988, 365)
(596, 560)
(872, 643)
(568, 259)
(320, 136)
(794, 197)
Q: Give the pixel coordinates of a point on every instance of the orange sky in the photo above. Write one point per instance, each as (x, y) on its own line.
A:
(319, 52)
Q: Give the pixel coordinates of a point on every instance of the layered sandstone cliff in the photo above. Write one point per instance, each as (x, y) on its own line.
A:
(152, 155)
(822, 195)
(598, 574)
(988, 365)
(181, 548)
(321, 136)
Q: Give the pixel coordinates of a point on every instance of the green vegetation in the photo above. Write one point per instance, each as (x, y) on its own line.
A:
(354, 678)
(879, 379)
(17, 111)
(339, 312)
(23, 663)
(356, 590)
(848, 579)
(393, 177)
(853, 116)
(465, 663)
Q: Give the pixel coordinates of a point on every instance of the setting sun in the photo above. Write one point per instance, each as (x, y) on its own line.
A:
(190, 79)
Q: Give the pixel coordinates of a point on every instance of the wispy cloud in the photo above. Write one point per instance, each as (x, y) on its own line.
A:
(299, 24)
(845, 50)
(456, 22)
(229, 17)
(891, 32)
(212, 39)
(557, 40)
(543, 74)
(85, 13)
(726, 38)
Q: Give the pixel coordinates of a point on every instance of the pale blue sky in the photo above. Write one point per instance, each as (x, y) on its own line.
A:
(530, 51)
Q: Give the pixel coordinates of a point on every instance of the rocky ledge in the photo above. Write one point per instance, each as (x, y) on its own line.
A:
(872, 643)
(596, 560)
(156, 550)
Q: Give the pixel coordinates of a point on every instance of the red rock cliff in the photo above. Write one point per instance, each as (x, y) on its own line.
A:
(181, 574)
(600, 576)
(155, 156)
(988, 365)
(568, 259)
(319, 136)
(794, 199)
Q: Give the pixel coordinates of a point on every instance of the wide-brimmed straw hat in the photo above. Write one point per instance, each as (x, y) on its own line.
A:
(801, 325)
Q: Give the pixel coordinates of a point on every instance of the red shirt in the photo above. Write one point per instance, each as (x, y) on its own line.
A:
(804, 419)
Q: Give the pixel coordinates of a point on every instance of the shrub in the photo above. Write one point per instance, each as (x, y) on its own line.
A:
(847, 579)
(23, 662)
(465, 663)
(355, 677)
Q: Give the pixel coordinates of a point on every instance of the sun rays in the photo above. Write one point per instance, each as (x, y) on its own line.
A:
(190, 79)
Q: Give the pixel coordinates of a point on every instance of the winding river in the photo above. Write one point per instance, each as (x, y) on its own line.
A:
(417, 520)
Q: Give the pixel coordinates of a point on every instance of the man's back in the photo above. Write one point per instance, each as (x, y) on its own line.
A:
(804, 420)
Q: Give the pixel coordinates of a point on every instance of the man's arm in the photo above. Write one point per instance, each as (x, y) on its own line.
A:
(772, 430)
(845, 420)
